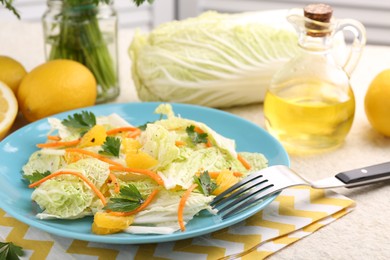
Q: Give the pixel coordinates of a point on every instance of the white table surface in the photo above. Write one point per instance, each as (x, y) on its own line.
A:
(362, 234)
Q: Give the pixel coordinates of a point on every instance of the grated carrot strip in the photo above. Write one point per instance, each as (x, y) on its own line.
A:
(135, 133)
(92, 154)
(53, 137)
(180, 143)
(115, 182)
(244, 162)
(200, 131)
(85, 179)
(182, 204)
(58, 144)
(121, 129)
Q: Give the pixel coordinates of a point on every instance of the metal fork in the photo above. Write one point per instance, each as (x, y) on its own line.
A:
(271, 180)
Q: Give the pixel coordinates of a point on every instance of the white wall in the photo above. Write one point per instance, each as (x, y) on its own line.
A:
(374, 14)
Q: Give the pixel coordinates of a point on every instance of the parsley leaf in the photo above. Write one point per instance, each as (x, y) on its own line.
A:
(36, 176)
(129, 199)
(111, 146)
(83, 122)
(196, 137)
(143, 127)
(10, 251)
(205, 184)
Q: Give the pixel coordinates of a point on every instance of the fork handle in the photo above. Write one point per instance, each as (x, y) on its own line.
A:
(365, 175)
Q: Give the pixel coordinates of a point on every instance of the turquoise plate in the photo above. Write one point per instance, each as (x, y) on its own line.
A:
(15, 196)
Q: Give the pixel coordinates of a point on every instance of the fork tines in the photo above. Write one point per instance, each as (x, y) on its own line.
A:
(240, 196)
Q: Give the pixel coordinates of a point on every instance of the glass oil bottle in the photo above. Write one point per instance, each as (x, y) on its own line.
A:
(310, 104)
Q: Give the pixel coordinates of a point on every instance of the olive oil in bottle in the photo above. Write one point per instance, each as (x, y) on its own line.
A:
(310, 105)
(305, 124)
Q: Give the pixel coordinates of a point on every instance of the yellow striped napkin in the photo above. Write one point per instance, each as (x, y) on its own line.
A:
(295, 213)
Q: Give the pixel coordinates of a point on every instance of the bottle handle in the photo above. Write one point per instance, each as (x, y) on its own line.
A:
(359, 41)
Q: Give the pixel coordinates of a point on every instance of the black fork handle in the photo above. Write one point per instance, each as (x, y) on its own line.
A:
(365, 175)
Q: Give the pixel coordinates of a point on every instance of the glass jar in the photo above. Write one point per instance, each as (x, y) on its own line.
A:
(86, 32)
(310, 104)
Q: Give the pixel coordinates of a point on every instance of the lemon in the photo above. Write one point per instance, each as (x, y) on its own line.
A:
(11, 72)
(56, 86)
(377, 103)
(8, 109)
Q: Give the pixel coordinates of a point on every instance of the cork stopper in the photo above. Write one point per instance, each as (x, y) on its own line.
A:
(321, 13)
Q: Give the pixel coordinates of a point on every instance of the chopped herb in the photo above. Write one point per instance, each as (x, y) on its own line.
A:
(195, 137)
(82, 122)
(143, 127)
(129, 199)
(9, 251)
(111, 146)
(36, 176)
(205, 184)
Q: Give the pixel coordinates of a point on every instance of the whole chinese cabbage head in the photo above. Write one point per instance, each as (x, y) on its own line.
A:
(216, 60)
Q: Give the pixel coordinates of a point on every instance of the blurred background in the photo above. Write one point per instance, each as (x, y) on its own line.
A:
(373, 13)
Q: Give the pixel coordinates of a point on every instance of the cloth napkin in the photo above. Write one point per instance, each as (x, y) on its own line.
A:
(295, 213)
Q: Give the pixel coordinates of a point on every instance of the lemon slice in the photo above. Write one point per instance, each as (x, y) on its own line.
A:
(8, 109)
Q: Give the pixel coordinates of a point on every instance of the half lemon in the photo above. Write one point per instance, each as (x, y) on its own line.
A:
(8, 109)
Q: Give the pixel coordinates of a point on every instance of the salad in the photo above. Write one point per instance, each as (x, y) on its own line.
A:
(148, 179)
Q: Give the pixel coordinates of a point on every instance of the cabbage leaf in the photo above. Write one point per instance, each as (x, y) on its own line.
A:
(66, 197)
(161, 216)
